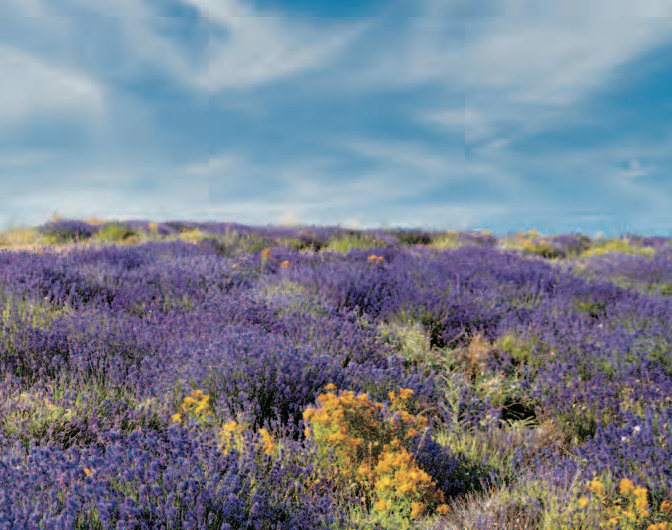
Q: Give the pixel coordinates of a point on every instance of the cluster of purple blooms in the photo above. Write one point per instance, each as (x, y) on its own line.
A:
(264, 334)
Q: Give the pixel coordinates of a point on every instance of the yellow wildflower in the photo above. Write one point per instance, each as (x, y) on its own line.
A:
(660, 526)
(416, 509)
(381, 505)
(596, 487)
(640, 501)
(269, 443)
(626, 486)
(384, 483)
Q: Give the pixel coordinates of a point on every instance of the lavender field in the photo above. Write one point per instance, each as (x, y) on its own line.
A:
(217, 376)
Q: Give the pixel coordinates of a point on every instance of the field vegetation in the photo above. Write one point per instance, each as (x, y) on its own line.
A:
(208, 376)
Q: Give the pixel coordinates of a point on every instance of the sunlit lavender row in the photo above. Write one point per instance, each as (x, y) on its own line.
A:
(217, 376)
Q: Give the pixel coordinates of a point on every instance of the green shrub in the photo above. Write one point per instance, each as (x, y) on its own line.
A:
(354, 240)
(543, 249)
(412, 237)
(612, 246)
(193, 235)
(446, 241)
(114, 232)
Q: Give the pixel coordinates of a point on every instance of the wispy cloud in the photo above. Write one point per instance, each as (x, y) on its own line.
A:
(412, 156)
(540, 70)
(252, 48)
(32, 86)
(435, 110)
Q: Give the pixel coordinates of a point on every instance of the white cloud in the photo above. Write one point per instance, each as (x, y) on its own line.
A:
(408, 155)
(31, 86)
(116, 38)
(526, 75)
(526, 71)
(258, 48)
(421, 52)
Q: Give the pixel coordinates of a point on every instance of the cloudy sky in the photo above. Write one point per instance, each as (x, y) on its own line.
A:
(424, 113)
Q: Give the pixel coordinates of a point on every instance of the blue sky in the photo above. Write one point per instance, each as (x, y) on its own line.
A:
(427, 113)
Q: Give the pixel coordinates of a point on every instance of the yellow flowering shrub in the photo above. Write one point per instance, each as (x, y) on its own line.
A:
(630, 509)
(368, 452)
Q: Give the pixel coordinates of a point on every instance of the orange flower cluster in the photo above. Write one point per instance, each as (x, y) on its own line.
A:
(369, 452)
(631, 511)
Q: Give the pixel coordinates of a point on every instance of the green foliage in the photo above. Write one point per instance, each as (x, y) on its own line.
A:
(193, 235)
(543, 249)
(612, 246)
(354, 240)
(521, 351)
(114, 232)
(664, 289)
(594, 308)
(412, 237)
(233, 243)
(446, 241)
(304, 240)
(410, 341)
(295, 243)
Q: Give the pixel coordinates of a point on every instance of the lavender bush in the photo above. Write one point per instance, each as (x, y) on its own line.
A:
(162, 381)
